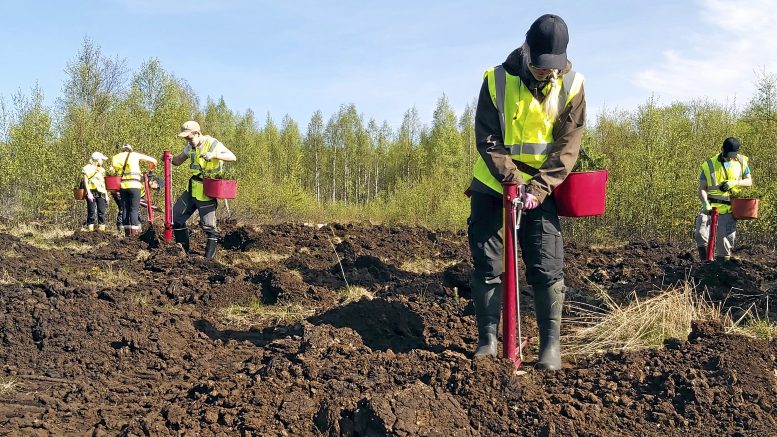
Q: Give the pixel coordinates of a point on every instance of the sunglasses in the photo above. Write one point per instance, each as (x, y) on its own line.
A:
(539, 70)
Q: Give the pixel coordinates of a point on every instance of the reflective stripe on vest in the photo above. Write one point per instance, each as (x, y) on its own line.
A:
(131, 176)
(714, 184)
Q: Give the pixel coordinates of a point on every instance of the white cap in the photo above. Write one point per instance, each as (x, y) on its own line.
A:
(189, 127)
(97, 156)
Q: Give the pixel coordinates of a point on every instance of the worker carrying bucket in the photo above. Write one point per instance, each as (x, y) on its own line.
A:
(93, 183)
(528, 125)
(206, 156)
(720, 176)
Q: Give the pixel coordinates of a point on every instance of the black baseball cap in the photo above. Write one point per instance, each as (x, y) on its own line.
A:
(731, 147)
(547, 39)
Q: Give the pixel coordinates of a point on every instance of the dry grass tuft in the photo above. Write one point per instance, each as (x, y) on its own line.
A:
(140, 298)
(143, 255)
(110, 277)
(641, 324)
(9, 385)
(7, 279)
(609, 245)
(28, 231)
(50, 238)
(253, 257)
(425, 266)
(10, 253)
(258, 314)
(354, 293)
(264, 257)
(297, 274)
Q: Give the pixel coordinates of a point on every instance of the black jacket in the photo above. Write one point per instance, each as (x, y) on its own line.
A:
(567, 134)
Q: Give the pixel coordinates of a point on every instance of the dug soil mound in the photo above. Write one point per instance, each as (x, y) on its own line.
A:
(101, 336)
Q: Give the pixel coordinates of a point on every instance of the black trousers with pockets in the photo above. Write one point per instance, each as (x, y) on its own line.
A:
(95, 210)
(539, 237)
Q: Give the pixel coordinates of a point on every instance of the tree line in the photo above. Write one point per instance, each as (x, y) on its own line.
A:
(342, 167)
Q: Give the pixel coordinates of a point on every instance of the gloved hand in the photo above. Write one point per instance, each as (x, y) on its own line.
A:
(90, 196)
(208, 156)
(728, 185)
(706, 207)
(530, 201)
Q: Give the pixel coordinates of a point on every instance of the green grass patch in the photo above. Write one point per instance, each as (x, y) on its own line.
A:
(752, 325)
(109, 276)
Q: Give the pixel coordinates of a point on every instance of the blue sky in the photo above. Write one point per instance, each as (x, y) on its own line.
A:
(386, 57)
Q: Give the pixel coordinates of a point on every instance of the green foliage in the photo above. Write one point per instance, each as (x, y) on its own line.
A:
(754, 192)
(346, 168)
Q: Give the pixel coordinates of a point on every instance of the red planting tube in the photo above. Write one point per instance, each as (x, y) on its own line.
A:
(713, 232)
(167, 157)
(509, 275)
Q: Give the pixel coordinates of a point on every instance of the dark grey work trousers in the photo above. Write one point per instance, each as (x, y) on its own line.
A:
(95, 210)
(130, 207)
(539, 237)
(186, 205)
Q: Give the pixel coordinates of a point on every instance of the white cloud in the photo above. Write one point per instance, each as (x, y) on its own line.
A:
(719, 59)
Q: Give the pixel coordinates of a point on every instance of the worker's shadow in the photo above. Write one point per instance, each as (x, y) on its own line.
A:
(381, 324)
(259, 337)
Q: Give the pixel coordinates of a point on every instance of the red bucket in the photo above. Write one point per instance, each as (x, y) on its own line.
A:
(113, 183)
(220, 188)
(744, 209)
(582, 194)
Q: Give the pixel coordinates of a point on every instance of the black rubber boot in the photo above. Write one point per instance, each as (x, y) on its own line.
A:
(548, 301)
(182, 238)
(702, 253)
(488, 303)
(210, 247)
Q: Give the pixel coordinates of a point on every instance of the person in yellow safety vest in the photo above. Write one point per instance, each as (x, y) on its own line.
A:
(720, 176)
(153, 183)
(96, 194)
(528, 126)
(127, 165)
(206, 156)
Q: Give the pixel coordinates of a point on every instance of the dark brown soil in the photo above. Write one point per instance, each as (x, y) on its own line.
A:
(157, 357)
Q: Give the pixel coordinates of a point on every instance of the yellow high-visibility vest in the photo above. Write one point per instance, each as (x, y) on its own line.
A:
(95, 176)
(200, 168)
(714, 174)
(527, 131)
